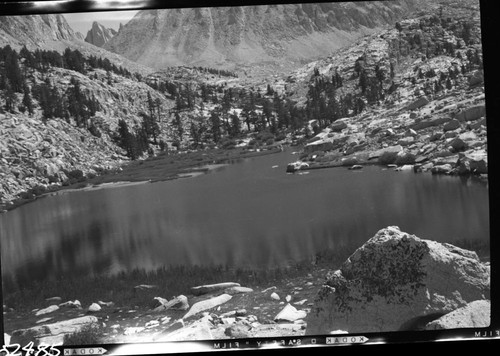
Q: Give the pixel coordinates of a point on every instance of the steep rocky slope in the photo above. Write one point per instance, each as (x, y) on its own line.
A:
(40, 152)
(35, 30)
(234, 36)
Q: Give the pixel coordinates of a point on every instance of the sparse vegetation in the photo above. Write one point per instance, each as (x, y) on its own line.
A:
(89, 335)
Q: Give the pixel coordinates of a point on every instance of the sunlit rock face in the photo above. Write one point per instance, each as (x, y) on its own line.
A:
(397, 281)
(99, 35)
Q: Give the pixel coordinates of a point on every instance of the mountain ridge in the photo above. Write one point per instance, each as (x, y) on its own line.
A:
(228, 37)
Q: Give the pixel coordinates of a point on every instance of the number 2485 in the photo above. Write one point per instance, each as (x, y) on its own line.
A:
(29, 350)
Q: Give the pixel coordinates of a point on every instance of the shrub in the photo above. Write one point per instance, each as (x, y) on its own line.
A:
(227, 143)
(269, 141)
(38, 190)
(388, 158)
(89, 335)
(76, 174)
(407, 158)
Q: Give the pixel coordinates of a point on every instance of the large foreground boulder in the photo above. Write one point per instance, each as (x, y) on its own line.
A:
(397, 281)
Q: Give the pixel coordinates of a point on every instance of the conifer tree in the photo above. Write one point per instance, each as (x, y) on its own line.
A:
(27, 101)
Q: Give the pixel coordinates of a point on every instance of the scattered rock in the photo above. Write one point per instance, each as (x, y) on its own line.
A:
(338, 126)
(471, 114)
(105, 304)
(451, 125)
(458, 145)
(133, 330)
(476, 78)
(207, 304)
(296, 166)
(71, 304)
(472, 163)
(94, 307)
(238, 330)
(269, 289)
(275, 296)
(442, 169)
(178, 303)
(211, 288)
(144, 287)
(290, 314)
(47, 310)
(152, 324)
(476, 314)
(394, 282)
(199, 330)
(238, 290)
(44, 320)
(422, 101)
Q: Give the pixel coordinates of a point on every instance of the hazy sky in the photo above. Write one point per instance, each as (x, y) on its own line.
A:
(82, 22)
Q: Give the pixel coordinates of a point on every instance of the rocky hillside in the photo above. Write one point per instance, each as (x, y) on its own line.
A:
(411, 97)
(99, 35)
(230, 37)
(64, 126)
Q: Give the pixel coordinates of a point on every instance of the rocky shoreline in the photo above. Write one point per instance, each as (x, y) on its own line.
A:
(442, 136)
(422, 284)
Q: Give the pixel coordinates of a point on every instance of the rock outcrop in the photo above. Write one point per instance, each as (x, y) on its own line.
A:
(397, 281)
(99, 35)
(52, 334)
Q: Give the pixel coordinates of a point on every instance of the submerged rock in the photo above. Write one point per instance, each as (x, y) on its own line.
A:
(396, 280)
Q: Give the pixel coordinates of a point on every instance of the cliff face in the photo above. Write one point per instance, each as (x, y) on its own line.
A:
(99, 35)
(228, 36)
(35, 30)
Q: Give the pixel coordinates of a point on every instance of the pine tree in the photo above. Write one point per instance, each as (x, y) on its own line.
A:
(150, 126)
(13, 71)
(215, 126)
(10, 97)
(27, 101)
(235, 125)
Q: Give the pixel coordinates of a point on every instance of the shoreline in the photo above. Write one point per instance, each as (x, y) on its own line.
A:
(153, 169)
(128, 301)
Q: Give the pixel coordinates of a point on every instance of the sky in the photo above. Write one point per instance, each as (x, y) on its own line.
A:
(82, 22)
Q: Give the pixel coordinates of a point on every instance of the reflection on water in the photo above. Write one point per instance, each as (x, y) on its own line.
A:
(246, 214)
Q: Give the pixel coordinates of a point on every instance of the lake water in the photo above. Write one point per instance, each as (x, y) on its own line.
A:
(248, 214)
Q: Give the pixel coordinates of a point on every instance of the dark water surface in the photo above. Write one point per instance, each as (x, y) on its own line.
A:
(249, 214)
